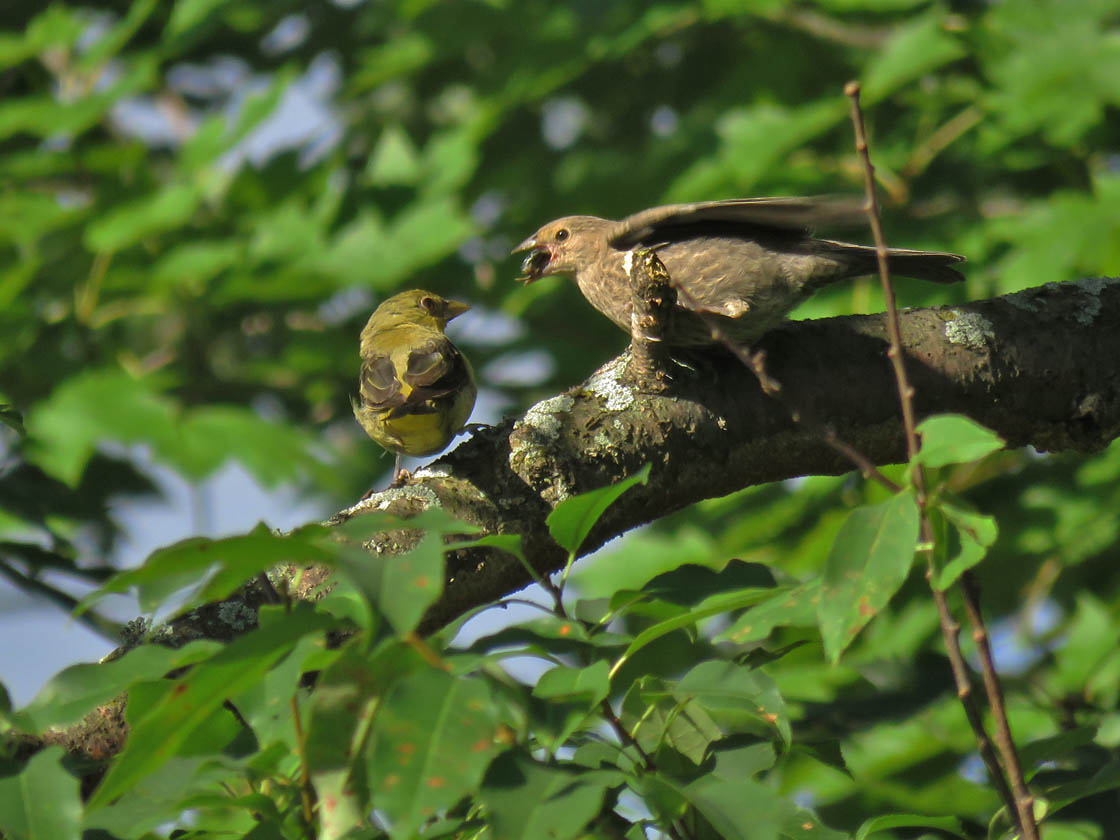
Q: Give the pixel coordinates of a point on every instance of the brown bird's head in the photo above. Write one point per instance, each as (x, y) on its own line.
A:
(563, 247)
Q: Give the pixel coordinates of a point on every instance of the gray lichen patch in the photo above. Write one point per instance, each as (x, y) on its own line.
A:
(1026, 300)
(532, 442)
(606, 384)
(542, 420)
(237, 616)
(969, 329)
(418, 496)
(1090, 308)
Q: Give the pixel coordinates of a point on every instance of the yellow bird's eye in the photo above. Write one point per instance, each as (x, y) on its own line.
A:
(562, 234)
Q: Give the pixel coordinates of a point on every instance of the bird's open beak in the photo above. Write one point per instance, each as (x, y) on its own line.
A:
(535, 265)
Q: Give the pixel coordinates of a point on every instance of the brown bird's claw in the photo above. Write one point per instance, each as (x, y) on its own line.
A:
(401, 478)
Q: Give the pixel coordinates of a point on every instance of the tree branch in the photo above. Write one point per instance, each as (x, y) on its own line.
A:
(1037, 367)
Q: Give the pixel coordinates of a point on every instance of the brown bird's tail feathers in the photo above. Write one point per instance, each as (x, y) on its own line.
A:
(934, 266)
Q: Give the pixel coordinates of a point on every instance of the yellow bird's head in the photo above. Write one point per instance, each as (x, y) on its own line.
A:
(416, 307)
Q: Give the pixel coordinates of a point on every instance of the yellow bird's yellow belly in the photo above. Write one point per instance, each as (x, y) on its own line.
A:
(422, 430)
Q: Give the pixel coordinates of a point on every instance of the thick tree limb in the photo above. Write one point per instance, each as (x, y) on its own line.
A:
(1040, 367)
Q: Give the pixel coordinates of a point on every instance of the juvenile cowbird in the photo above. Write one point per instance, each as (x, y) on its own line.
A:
(743, 263)
(416, 389)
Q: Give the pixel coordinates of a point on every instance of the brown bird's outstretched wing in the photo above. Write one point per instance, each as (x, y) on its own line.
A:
(792, 214)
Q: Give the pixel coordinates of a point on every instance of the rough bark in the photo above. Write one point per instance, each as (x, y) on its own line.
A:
(1039, 367)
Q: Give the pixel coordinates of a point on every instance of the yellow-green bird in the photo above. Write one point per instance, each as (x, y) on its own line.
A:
(416, 390)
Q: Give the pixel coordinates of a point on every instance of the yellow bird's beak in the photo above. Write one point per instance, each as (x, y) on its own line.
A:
(456, 308)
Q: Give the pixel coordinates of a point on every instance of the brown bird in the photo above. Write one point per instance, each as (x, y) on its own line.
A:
(416, 389)
(743, 263)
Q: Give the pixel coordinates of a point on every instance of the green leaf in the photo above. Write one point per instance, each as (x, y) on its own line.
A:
(787, 607)
(954, 439)
(191, 264)
(638, 557)
(55, 27)
(189, 701)
(187, 14)
(888, 821)
(394, 161)
(162, 795)
(234, 560)
(401, 587)
(77, 690)
(971, 535)
(527, 799)
(737, 808)
(657, 718)
(432, 740)
(342, 709)
(572, 520)
(1054, 748)
(1107, 778)
(916, 48)
(274, 453)
(398, 56)
(736, 698)
(95, 404)
(588, 685)
(714, 605)
(125, 225)
(869, 560)
(41, 801)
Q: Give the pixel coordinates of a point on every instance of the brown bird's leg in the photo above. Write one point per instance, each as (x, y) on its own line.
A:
(653, 299)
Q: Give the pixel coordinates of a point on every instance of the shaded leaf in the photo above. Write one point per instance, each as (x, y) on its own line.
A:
(41, 801)
(869, 560)
(527, 799)
(432, 740)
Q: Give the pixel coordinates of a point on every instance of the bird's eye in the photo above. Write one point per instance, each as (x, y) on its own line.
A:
(429, 305)
(562, 234)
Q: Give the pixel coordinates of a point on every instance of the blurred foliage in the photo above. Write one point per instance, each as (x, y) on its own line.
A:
(200, 203)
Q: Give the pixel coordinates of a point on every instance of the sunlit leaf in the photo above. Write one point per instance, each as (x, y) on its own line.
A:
(572, 520)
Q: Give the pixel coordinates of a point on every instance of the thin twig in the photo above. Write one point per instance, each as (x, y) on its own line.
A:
(1020, 805)
(307, 792)
(951, 629)
(867, 469)
(1006, 744)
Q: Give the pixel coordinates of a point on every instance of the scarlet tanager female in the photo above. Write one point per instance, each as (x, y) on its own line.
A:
(416, 390)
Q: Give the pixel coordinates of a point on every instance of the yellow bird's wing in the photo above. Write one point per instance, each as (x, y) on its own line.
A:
(416, 368)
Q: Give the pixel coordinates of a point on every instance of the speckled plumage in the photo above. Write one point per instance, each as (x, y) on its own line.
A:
(743, 263)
